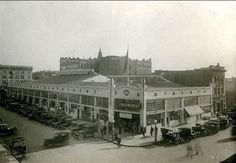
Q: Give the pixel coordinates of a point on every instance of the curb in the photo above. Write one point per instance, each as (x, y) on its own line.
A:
(125, 145)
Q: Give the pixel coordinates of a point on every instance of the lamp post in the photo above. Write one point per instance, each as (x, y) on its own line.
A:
(155, 130)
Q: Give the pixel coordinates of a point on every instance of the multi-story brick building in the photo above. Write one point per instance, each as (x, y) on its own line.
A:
(12, 73)
(230, 88)
(108, 65)
(212, 75)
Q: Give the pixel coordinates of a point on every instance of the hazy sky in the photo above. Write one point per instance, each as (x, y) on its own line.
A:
(175, 35)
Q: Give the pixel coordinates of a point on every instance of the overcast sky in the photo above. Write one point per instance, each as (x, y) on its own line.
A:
(175, 35)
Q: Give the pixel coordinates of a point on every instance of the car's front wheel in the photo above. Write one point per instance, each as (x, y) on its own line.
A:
(81, 136)
(95, 134)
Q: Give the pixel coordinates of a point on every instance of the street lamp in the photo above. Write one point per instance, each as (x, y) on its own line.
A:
(155, 121)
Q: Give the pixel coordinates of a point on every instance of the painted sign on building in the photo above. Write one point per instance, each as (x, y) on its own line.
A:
(125, 115)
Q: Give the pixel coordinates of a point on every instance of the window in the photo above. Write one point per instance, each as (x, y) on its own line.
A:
(102, 102)
(205, 99)
(62, 96)
(74, 98)
(155, 105)
(174, 103)
(88, 100)
(190, 101)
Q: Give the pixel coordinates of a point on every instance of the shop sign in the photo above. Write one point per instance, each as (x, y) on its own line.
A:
(125, 115)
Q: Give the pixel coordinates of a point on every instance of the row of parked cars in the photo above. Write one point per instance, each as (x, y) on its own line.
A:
(205, 128)
(58, 120)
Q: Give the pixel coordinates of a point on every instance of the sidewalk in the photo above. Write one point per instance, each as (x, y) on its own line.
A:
(134, 141)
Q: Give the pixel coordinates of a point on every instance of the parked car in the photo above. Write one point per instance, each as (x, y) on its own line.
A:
(59, 138)
(67, 123)
(199, 131)
(88, 130)
(6, 130)
(185, 134)
(170, 137)
(12, 106)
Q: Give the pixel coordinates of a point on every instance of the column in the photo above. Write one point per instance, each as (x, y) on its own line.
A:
(96, 111)
(165, 115)
(40, 99)
(182, 110)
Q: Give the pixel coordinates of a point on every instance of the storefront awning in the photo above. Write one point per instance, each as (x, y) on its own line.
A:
(193, 110)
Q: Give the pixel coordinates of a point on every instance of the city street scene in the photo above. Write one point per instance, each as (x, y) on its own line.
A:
(135, 82)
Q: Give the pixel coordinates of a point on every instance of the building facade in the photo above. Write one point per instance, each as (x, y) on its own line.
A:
(210, 76)
(92, 96)
(43, 74)
(230, 88)
(108, 65)
(12, 73)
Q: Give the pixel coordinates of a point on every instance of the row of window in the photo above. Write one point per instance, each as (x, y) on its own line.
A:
(182, 92)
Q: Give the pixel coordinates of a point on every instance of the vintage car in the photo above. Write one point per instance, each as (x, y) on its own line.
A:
(18, 148)
(88, 130)
(13, 106)
(67, 123)
(170, 137)
(6, 130)
(185, 134)
(59, 138)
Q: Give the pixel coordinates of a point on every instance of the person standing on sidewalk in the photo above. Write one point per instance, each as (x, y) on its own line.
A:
(118, 139)
(151, 130)
(144, 131)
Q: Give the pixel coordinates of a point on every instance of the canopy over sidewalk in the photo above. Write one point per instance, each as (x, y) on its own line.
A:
(193, 110)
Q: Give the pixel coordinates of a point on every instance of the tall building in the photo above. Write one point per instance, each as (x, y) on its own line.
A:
(230, 88)
(12, 73)
(212, 75)
(108, 65)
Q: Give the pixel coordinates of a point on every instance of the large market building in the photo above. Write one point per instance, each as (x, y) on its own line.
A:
(87, 95)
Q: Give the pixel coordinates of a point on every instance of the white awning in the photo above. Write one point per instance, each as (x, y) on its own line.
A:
(193, 110)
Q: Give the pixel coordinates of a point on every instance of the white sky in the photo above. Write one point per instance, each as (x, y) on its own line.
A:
(176, 35)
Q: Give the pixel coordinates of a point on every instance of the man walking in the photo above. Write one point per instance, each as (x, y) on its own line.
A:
(151, 130)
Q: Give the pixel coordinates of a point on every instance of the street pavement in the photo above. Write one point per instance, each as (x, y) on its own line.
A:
(33, 132)
(210, 151)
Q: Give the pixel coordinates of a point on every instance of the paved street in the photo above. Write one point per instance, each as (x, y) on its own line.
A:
(210, 151)
(33, 131)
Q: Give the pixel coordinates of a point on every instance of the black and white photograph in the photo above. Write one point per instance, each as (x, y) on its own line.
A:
(117, 82)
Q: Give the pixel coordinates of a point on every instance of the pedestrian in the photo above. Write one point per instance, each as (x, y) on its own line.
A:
(133, 130)
(144, 131)
(151, 130)
(105, 130)
(118, 140)
(189, 149)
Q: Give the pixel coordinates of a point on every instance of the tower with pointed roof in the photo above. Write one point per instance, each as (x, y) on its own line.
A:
(98, 61)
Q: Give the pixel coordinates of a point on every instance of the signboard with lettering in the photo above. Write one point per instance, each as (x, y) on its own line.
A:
(127, 105)
(125, 115)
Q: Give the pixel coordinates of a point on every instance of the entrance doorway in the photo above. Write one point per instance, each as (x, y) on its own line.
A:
(127, 123)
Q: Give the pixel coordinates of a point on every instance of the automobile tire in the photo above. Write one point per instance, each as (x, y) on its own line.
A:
(95, 134)
(81, 136)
